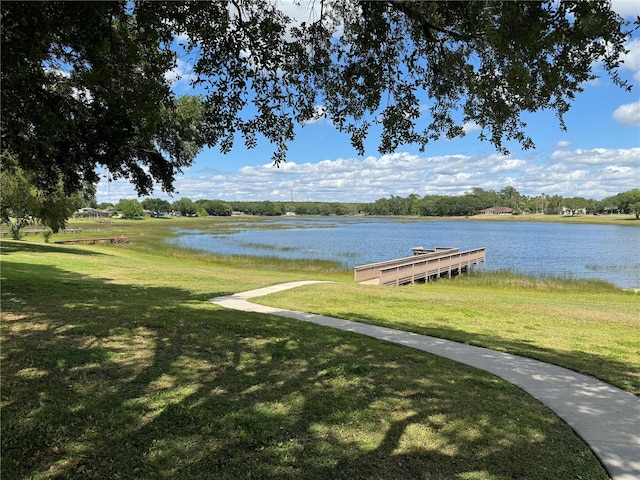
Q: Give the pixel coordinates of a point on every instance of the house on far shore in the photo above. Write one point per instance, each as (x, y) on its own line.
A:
(497, 211)
(88, 212)
(568, 212)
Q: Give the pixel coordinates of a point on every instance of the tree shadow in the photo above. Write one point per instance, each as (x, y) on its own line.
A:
(620, 374)
(13, 246)
(104, 380)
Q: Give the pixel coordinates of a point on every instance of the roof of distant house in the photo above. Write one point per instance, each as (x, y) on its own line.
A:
(497, 210)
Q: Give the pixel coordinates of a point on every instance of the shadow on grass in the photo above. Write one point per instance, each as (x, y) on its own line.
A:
(9, 247)
(623, 375)
(105, 380)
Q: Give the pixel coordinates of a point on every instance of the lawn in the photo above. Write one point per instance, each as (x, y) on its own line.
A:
(617, 219)
(116, 365)
(587, 326)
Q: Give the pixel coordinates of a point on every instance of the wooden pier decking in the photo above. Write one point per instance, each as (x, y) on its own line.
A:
(37, 231)
(96, 240)
(424, 265)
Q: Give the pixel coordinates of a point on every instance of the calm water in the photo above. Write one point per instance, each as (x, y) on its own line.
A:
(607, 252)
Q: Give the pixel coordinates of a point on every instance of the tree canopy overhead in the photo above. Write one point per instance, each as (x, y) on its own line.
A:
(85, 84)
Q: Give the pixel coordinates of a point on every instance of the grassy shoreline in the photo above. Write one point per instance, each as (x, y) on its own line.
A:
(587, 326)
(89, 225)
(617, 219)
(114, 364)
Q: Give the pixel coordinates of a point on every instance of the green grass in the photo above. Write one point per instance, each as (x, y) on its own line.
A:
(148, 236)
(587, 326)
(115, 365)
(617, 219)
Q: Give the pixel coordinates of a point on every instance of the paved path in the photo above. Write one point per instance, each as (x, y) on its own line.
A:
(605, 417)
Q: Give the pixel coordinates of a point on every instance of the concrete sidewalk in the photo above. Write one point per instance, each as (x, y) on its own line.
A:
(605, 417)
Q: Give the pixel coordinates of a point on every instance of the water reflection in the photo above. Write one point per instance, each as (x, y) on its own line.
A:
(606, 252)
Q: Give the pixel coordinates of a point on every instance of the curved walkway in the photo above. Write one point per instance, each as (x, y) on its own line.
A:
(605, 417)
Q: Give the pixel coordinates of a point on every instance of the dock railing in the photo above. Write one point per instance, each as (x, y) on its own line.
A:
(422, 266)
(372, 270)
(120, 239)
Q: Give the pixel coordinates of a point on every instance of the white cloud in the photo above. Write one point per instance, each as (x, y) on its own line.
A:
(564, 144)
(182, 38)
(628, 114)
(595, 173)
(631, 59)
(319, 115)
(597, 157)
(470, 127)
(626, 8)
(303, 11)
(181, 74)
(510, 164)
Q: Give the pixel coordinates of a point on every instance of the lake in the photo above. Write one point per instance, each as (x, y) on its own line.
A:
(606, 252)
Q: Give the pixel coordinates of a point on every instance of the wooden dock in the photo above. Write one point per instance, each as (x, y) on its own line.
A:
(96, 240)
(423, 266)
(38, 231)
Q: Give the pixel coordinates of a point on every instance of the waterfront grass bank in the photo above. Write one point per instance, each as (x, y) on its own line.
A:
(115, 364)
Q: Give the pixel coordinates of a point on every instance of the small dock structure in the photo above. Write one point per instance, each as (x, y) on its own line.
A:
(119, 239)
(426, 264)
(38, 231)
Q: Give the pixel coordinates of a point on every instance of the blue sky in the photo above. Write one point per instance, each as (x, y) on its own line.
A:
(597, 156)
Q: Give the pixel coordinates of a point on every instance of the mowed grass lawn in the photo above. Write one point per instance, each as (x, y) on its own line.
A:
(587, 326)
(116, 365)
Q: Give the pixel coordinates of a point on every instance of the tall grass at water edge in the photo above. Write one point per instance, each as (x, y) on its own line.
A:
(115, 365)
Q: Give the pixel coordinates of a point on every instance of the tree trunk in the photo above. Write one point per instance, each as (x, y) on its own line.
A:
(15, 231)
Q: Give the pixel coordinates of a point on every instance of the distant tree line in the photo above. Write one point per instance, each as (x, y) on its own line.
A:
(470, 203)
(131, 208)
(473, 202)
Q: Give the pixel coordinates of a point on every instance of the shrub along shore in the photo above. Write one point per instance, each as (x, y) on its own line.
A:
(115, 364)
